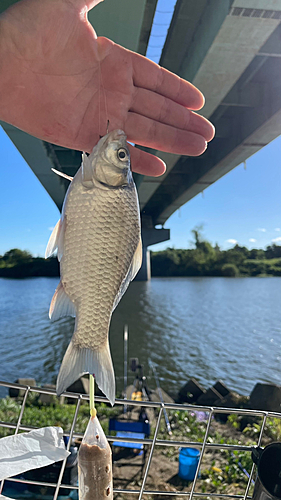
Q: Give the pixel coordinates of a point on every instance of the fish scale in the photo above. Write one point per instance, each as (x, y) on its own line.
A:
(98, 241)
(100, 246)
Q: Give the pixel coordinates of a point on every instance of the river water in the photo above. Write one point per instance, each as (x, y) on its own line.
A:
(207, 328)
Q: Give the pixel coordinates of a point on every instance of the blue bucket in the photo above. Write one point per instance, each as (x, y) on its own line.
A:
(188, 461)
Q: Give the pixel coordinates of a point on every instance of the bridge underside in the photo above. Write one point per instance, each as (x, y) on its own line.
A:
(233, 54)
(231, 50)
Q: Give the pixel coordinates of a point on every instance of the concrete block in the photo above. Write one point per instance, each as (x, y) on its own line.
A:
(266, 397)
(231, 400)
(48, 398)
(209, 398)
(15, 393)
(190, 392)
(81, 386)
(221, 388)
(155, 396)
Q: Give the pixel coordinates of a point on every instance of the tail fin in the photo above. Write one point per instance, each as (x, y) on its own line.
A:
(79, 360)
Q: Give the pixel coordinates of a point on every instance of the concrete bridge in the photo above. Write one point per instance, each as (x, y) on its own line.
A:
(229, 49)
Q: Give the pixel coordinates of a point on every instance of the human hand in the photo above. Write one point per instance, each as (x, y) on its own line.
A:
(52, 68)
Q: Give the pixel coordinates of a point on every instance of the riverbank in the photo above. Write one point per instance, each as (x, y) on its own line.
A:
(21, 264)
(209, 261)
(204, 260)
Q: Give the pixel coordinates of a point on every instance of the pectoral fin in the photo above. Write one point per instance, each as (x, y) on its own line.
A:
(133, 270)
(56, 240)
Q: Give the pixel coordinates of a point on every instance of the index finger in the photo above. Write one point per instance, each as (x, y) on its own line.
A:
(150, 76)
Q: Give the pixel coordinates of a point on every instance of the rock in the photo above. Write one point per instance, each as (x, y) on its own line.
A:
(15, 393)
(266, 397)
(190, 392)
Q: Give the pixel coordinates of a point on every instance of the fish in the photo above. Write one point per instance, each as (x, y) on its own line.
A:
(99, 247)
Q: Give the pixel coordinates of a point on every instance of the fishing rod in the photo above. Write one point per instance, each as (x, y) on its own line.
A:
(161, 396)
(125, 364)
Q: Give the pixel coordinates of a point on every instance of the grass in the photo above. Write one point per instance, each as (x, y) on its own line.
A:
(37, 414)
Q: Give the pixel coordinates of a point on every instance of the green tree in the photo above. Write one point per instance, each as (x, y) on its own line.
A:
(165, 263)
(257, 253)
(206, 260)
(15, 257)
(273, 251)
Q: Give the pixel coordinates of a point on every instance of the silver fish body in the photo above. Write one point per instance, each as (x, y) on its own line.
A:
(99, 247)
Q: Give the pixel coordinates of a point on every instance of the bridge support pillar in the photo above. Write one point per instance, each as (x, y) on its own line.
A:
(144, 273)
(150, 236)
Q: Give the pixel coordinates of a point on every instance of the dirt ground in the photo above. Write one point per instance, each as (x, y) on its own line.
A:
(128, 473)
(129, 468)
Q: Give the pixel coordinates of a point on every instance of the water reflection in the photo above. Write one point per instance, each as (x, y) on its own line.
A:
(208, 328)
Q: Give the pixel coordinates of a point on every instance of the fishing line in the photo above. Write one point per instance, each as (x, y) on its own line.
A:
(101, 86)
(93, 411)
(105, 102)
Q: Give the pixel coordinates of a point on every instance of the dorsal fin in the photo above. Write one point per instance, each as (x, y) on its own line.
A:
(62, 174)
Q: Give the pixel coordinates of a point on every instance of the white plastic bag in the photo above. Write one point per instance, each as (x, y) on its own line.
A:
(31, 450)
(95, 464)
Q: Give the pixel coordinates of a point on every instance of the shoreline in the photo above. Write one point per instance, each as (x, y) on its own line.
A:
(51, 270)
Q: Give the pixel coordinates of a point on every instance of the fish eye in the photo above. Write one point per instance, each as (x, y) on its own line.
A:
(122, 154)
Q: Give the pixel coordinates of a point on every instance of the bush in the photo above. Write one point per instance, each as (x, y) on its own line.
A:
(230, 270)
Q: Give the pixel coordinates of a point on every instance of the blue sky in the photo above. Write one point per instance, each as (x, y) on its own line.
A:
(243, 205)
(27, 211)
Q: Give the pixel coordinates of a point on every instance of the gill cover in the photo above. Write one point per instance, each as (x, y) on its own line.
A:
(88, 162)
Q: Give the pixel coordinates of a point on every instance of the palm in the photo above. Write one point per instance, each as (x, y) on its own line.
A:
(69, 83)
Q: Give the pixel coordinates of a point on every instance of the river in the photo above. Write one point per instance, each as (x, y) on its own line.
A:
(207, 328)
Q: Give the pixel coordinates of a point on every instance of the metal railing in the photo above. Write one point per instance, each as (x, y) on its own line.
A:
(203, 446)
